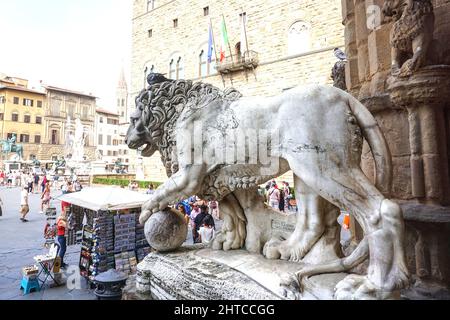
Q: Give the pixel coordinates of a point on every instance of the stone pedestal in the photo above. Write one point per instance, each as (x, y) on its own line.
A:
(198, 273)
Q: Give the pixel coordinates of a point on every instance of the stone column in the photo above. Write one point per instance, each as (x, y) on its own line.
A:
(424, 95)
(361, 34)
(351, 70)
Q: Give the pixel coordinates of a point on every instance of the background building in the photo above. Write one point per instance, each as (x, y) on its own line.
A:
(62, 108)
(290, 43)
(22, 113)
(110, 143)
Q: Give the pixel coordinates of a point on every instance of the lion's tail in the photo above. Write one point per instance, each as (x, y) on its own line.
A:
(377, 142)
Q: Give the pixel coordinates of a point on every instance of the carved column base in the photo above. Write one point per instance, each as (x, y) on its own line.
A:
(428, 242)
(424, 95)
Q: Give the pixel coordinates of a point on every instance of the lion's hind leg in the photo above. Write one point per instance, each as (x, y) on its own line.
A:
(315, 214)
(381, 220)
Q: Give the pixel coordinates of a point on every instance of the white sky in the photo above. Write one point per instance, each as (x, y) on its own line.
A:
(76, 44)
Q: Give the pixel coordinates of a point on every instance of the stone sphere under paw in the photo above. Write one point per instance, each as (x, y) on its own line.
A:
(166, 230)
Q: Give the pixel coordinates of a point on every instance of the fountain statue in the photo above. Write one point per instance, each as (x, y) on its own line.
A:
(76, 135)
(78, 142)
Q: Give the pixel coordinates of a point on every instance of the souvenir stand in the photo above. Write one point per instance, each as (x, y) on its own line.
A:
(105, 221)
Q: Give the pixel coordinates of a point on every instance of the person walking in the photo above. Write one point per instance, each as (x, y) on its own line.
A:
(36, 183)
(61, 224)
(274, 196)
(10, 179)
(45, 197)
(24, 207)
(44, 182)
(281, 201)
(1, 209)
(30, 182)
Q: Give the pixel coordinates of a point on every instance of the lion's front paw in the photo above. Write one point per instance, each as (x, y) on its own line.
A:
(148, 208)
(145, 215)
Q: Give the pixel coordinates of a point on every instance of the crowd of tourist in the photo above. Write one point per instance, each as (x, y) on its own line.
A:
(279, 197)
(33, 183)
(200, 216)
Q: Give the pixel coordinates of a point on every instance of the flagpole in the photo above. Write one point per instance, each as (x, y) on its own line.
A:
(228, 40)
(213, 39)
(244, 21)
(215, 51)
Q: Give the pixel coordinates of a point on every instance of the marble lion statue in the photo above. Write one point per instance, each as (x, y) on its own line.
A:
(317, 132)
(411, 34)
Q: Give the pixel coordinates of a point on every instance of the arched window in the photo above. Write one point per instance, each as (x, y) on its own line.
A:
(202, 64)
(176, 67)
(172, 70)
(148, 68)
(205, 67)
(299, 38)
(180, 69)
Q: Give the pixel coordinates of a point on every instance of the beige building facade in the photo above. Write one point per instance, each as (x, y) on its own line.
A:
(62, 108)
(290, 43)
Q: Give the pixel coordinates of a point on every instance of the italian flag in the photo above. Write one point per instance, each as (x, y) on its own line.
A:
(224, 42)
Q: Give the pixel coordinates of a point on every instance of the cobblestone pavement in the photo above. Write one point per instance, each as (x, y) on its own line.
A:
(20, 242)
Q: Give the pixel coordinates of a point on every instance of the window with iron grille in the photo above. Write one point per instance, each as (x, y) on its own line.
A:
(15, 117)
(27, 118)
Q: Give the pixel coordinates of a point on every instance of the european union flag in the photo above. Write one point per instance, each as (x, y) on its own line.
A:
(210, 44)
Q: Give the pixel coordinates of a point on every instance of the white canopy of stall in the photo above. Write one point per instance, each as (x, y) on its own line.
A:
(105, 198)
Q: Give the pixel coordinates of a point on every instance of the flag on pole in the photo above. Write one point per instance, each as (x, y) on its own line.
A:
(210, 44)
(224, 40)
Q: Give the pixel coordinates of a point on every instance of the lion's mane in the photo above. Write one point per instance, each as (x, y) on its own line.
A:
(162, 104)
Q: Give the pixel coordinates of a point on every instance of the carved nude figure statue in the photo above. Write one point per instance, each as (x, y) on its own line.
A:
(315, 131)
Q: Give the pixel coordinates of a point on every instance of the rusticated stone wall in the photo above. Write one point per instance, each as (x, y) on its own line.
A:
(414, 115)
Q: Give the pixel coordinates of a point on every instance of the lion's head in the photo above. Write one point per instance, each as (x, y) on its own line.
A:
(138, 134)
(159, 107)
(393, 9)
